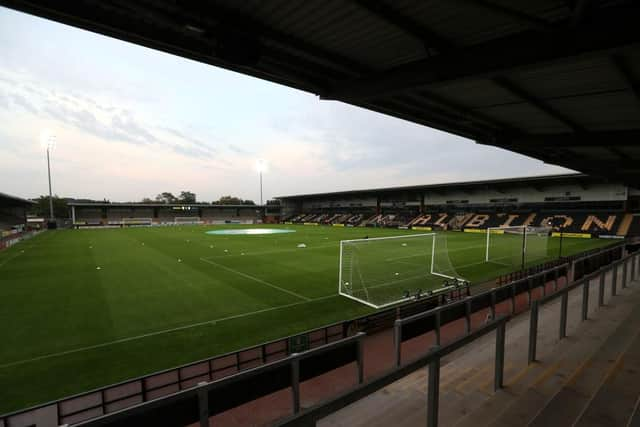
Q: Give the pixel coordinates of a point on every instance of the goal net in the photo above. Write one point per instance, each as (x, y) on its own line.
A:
(182, 220)
(136, 221)
(383, 271)
(516, 246)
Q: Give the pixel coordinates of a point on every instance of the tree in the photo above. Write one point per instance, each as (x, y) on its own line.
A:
(166, 197)
(248, 202)
(41, 208)
(148, 200)
(187, 197)
(229, 200)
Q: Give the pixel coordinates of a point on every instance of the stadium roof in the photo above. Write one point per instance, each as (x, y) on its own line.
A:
(558, 80)
(534, 181)
(9, 200)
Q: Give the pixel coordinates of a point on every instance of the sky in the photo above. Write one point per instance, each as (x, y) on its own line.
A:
(131, 122)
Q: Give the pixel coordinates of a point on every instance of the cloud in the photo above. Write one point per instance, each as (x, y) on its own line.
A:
(158, 130)
(237, 149)
(191, 146)
(4, 101)
(127, 125)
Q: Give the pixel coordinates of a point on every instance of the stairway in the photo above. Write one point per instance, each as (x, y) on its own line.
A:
(591, 379)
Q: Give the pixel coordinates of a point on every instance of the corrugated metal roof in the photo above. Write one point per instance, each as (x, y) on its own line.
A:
(517, 181)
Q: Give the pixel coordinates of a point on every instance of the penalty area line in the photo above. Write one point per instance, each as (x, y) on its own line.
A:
(164, 331)
(255, 279)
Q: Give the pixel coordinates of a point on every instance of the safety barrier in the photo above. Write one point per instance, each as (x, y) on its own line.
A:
(432, 359)
(630, 269)
(198, 403)
(629, 264)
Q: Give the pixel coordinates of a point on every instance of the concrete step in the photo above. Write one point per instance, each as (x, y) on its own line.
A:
(615, 401)
(527, 392)
(634, 419)
(466, 382)
(567, 405)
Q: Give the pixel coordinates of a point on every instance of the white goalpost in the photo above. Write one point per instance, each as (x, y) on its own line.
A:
(515, 246)
(383, 271)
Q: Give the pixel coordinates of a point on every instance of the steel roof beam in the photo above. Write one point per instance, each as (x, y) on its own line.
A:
(607, 31)
(626, 75)
(466, 113)
(410, 27)
(579, 11)
(514, 15)
(622, 138)
(540, 104)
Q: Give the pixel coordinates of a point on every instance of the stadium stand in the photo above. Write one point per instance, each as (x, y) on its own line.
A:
(589, 208)
(13, 219)
(125, 214)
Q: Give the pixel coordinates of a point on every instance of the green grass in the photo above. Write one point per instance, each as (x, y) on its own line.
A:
(66, 326)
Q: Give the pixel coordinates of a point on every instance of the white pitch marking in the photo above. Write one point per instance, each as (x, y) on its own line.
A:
(279, 251)
(164, 331)
(255, 279)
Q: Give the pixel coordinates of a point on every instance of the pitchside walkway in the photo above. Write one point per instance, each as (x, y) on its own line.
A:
(591, 378)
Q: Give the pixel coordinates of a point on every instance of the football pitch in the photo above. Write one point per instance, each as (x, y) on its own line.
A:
(86, 308)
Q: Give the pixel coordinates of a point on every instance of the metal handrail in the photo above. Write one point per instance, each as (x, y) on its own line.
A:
(205, 387)
(436, 312)
(431, 358)
(585, 281)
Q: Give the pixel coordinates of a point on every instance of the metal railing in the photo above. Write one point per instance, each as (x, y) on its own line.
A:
(134, 391)
(432, 359)
(491, 298)
(628, 265)
(201, 392)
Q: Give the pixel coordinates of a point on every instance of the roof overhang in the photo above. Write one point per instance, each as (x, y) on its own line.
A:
(9, 200)
(555, 80)
(540, 182)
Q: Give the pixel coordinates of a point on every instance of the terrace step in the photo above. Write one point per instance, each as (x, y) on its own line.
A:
(527, 395)
(567, 405)
(616, 399)
(466, 384)
(634, 419)
(518, 375)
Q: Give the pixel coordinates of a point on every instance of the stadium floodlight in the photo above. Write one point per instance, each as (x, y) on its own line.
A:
(48, 142)
(261, 166)
(384, 271)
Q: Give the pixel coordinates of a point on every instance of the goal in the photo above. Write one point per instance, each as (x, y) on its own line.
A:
(383, 271)
(136, 221)
(184, 220)
(516, 246)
